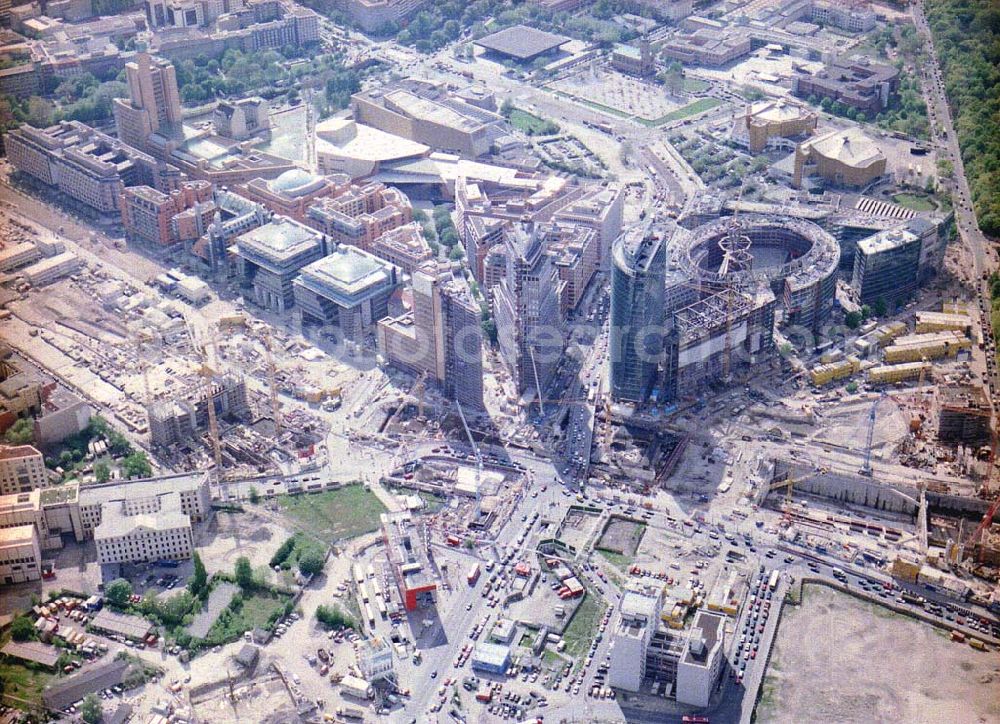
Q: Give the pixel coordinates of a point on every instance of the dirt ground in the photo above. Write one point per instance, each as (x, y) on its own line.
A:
(838, 659)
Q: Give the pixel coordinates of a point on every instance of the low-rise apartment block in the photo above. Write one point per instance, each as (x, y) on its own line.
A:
(404, 246)
(865, 87)
(360, 214)
(155, 218)
(86, 165)
(148, 529)
(854, 16)
(22, 469)
(373, 15)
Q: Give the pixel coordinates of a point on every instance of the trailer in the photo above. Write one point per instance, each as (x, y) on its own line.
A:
(356, 687)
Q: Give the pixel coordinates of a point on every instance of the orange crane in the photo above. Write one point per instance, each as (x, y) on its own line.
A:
(986, 490)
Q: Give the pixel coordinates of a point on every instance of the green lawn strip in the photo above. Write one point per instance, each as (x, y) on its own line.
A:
(915, 202)
(528, 122)
(691, 109)
(619, 560)
(335, 514)
(581, 629)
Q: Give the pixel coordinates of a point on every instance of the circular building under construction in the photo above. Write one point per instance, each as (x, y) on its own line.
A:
(795, 259)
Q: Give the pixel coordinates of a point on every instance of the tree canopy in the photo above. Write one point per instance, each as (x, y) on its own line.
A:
(118, 592)
(967, 39)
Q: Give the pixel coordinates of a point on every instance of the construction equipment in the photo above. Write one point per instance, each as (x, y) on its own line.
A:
(538, 386)
(986, 522)
(866, 468)
(986, 490)
(419, 388)
(207, 373)
(265, 337)
(736, 258)
(789, 484)
(137, 341)
(475, 449)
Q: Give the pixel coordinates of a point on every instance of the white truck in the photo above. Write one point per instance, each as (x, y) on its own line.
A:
(356, 687)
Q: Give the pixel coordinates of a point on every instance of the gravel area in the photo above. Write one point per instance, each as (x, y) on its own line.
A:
(840, 659)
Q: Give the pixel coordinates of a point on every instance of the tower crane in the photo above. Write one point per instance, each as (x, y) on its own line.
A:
(736, 257)
(475, 450)
(987, 521)
(866, 468)
(137, 341)
(207, 374)
(788, 484)
(265, 337)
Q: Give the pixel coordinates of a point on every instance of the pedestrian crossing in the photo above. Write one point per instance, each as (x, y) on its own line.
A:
(874, 207)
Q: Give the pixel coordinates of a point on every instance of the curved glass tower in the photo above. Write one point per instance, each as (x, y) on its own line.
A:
(638, 276)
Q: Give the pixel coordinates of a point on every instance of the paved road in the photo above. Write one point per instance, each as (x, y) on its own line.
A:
(984, 258)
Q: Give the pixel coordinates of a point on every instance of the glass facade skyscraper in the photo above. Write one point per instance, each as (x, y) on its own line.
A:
(638, 276)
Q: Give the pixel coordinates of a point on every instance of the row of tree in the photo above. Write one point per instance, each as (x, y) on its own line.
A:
(967, 39)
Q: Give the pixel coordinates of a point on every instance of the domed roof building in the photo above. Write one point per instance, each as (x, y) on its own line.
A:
(294, 190)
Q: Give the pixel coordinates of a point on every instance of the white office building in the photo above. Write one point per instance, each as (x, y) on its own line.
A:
(701, 662)
(141, 496)
(149, 529)
(637, 620)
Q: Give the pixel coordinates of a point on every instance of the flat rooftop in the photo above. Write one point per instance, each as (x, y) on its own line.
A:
(17, 535)
(21, 501)
(348, 275)
(522, 42)
(886, 241)
(707, 627)
(143, 488)
(428, 110)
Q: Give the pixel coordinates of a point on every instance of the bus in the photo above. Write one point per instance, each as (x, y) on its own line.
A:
(473, 574)
(453, 541)
(773, 583)
(369, 615)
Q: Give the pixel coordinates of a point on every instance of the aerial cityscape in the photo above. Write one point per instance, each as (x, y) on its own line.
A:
(499, 361)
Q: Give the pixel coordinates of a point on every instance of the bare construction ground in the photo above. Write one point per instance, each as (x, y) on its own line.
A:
(839, 659)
